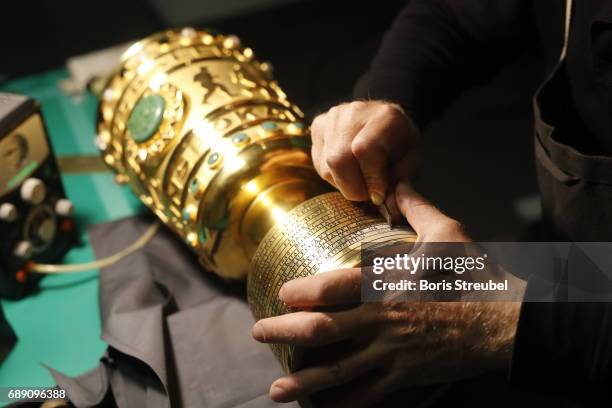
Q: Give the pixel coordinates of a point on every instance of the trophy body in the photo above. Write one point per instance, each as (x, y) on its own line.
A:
(210, 143)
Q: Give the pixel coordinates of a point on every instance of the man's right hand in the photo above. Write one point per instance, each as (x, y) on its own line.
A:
(360, 147)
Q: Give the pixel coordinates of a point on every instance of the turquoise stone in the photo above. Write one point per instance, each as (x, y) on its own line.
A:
(269, 125)
(239, 137)
(213, 158)
(146, 117)
(194, 185)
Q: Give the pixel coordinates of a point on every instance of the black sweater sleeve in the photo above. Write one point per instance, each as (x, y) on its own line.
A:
(563, 344)
(437, 48)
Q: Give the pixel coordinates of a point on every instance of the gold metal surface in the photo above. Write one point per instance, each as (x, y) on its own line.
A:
(208, 140)
(321, 234)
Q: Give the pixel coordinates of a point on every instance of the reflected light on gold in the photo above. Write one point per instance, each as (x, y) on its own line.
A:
(251, 187)
(133, 50)
(279, 214)
(234, 163)
(145, 66)
(205, 131)
(157, 81)
(226, 165)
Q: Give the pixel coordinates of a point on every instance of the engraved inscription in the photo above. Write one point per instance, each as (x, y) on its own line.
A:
(320, 234)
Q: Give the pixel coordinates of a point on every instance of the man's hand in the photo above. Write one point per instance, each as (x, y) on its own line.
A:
(392, 344)
(359, 147)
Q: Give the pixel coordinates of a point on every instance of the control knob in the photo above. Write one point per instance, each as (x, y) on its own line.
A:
(33, 191)
(8, 212)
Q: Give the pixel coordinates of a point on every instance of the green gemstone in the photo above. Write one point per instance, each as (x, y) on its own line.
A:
(299, 125)
(239, 137)
(269, 125)
(213, 158)
(146, 117)
(194, 185)
(185, 215)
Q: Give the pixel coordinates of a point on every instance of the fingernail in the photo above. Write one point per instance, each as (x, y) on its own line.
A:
(376, 198)
(257, 332)
(278, 394)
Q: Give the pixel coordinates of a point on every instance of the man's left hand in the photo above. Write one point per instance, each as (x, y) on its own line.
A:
(392, 344)
(403, 344)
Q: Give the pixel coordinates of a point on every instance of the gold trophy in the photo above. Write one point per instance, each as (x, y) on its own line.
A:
(208, 141)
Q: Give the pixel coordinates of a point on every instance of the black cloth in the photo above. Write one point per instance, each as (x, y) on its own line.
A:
(438, 48)
(178, 336)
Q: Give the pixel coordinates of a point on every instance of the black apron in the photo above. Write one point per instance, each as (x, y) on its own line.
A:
(576, 188)
(563, 348)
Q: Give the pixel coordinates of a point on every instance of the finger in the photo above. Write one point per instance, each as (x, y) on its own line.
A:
(347, 177)
(311, 328)
(373, 159)
(319, 164)
(317, 131)
(419, 212)
(313, 379)
(386, 138)
(317, 143)
(338, 155)
(317, 128)
(407, 168)
(339, 287)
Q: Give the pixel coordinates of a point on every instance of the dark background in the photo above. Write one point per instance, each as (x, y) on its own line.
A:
(479, 165)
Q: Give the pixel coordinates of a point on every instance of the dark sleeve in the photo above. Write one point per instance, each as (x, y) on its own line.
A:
(563, 345)
(437, 48)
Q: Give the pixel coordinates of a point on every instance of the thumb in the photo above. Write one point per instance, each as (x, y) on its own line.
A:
(419, 212)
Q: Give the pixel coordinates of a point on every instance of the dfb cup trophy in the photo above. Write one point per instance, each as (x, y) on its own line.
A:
(210, 143)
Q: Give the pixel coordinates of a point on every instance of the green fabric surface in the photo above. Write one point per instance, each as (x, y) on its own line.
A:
(60, 325)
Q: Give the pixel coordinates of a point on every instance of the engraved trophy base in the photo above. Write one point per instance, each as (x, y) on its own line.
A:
(318, 235)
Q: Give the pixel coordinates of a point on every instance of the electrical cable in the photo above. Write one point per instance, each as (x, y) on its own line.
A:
(99, 263)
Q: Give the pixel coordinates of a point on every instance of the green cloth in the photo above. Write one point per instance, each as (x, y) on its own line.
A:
(60, 325)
